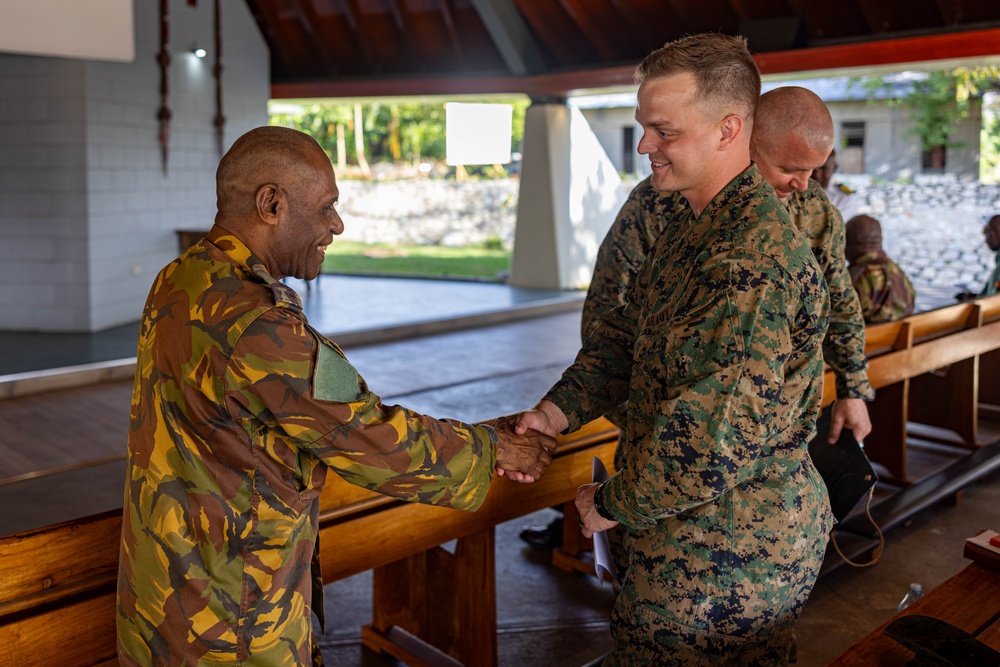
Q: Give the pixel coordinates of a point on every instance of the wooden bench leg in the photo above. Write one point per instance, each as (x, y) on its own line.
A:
(437, 608)
(886, 444)
(576, 553)
(989, 385)
(947, 399)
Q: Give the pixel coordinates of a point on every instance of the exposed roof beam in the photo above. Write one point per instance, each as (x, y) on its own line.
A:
(352, 15)
(449, 24)
(511, 36)
(595, 33)
(308, 20)
(946, 46)
(950, 46)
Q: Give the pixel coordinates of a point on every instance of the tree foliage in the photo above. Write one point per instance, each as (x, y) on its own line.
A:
(391, 131)
(937, 101)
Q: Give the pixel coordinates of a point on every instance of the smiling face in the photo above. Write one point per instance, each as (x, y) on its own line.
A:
(677, 135)
(786, 162)
(310, 220)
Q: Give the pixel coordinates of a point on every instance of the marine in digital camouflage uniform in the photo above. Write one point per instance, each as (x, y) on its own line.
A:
(648, 212)
(239, 408)
(718, 352)
(884, 290)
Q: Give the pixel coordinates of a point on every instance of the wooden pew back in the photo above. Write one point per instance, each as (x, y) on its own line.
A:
(57, 595)
(990, 306)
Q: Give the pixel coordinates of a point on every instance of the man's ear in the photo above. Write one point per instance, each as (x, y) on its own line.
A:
(270, 202)
(730, 128)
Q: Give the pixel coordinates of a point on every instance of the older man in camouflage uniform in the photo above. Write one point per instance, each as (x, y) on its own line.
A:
(238, 411)
(718, 352)
(883, 288)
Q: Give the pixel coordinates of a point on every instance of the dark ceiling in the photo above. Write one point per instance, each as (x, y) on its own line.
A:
(344, 48)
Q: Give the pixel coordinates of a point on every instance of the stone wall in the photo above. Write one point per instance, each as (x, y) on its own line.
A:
(932, 227)
(429, 212)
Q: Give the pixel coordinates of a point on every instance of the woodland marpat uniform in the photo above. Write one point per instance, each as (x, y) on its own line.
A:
(647, 212)
(718, 352)
(239, 407)
(820, 223)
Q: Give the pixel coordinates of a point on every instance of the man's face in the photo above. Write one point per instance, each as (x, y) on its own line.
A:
(311, 220)
(786, 162)
(823, 174)
(676, 134)
(992, 233)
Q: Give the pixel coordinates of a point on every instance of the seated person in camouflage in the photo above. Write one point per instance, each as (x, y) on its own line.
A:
(884, 291)
(239, 410)
(717, 351)
(992, 233)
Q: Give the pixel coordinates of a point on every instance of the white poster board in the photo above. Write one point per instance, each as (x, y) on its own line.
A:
(87, 29)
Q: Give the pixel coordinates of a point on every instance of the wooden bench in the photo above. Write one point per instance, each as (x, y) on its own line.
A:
(59, 582)
(926, 370)
(989, 364)
(970, 600)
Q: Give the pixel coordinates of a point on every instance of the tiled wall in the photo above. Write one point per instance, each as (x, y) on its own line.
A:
(87, 214)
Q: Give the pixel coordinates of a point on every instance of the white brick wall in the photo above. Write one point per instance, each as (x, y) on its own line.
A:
(87, 217)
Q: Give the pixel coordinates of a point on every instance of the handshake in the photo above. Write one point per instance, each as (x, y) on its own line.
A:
(526, 442)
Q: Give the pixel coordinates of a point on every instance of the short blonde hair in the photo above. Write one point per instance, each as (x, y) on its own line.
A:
(726, 74)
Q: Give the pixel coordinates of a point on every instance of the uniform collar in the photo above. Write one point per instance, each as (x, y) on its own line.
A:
(239, 254)
(748, 181)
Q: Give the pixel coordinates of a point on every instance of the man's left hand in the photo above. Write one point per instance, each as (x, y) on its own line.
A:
(590, 521)
(849, 413)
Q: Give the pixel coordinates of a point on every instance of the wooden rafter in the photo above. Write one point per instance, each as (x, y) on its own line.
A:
(449, 25)
(876, 18)
(317, 45)
(971, 44)
(579, 13)
(639, 27)
(270, 20)
(360, 38)
(412, 54)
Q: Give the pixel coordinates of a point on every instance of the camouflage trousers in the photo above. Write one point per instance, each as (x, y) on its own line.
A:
(665, 629)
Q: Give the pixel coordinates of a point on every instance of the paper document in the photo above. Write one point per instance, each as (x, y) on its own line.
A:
(602, 547)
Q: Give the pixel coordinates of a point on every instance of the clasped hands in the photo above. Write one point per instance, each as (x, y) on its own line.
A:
(548, 419)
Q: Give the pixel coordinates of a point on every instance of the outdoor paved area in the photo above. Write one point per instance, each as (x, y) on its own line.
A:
(934, 229)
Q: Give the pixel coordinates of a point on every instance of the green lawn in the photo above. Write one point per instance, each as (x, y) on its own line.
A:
(385, 259)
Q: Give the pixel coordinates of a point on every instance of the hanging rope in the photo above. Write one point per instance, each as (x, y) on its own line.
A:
(220, 120)
(163, 59)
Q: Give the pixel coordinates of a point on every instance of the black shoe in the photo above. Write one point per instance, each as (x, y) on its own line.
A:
(544, 538)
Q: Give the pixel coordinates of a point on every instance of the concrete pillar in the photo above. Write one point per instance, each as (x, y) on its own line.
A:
(569, 195)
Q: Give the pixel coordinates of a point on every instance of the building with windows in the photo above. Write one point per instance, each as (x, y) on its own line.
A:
(873, 132)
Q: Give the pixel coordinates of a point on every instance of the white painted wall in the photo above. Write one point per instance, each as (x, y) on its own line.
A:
(570, 194)
(79, 149)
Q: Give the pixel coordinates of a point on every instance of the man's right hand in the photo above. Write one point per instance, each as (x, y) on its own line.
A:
(522, 456)
(546, 417)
